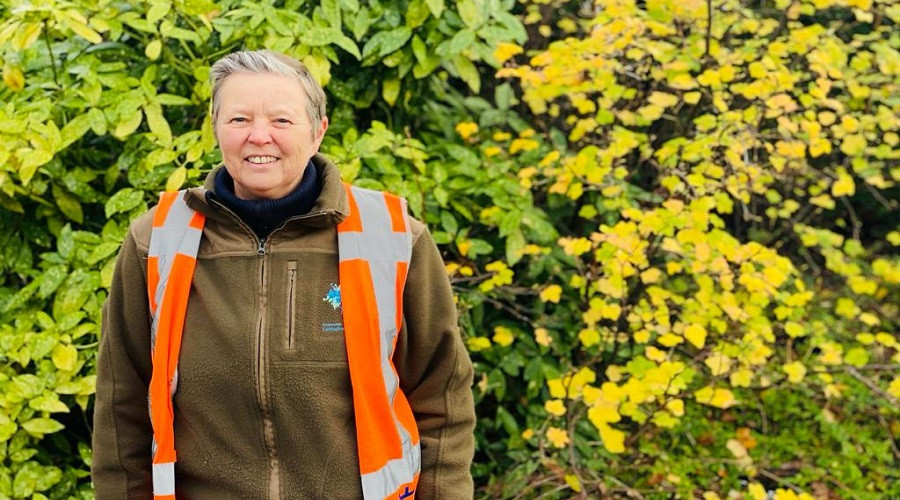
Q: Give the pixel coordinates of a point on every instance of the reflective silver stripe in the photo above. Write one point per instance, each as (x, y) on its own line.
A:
(164, 478)
(173, 237)
(386, 480)
(382, 248)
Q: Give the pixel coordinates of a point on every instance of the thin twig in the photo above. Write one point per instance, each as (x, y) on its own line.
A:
(857, 225)
(891, 438)
(50, 51)
(871, 385)
(867, 368)
(779, 480)
(890, 205)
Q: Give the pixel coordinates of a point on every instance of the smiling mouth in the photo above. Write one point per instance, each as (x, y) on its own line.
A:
(261, 160)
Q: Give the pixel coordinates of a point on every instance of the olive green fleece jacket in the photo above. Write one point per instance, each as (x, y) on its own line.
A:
(264, 407)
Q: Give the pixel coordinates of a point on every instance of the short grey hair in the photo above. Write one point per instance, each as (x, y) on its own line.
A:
(268, 61)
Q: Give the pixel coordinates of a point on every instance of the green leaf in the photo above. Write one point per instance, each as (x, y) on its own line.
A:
(49, 403)
(515, 242)
(462, 40)
(157, 122)
(468, 72)
(98, 121)
(332, 12)
(7, 430)
(41, 426)
(153, 49)
(157, 11)
(471, 12)
(417, 13)
(68, 204)
(349, 45)
(51, 279)
(74, 130)
(31, 161)
(70, 19)
(123, 201)
(318, 36)
(128, 124)
(504, 96)
(390, 89)
(102, 251)
(173, 100)
(384, 43)
(436, 7)
(448, 222)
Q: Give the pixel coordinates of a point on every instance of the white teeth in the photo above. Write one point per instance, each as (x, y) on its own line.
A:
(261, 159)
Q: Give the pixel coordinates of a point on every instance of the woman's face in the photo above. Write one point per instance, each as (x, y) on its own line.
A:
(264, 133)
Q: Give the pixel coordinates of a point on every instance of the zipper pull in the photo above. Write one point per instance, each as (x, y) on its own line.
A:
(261, 250)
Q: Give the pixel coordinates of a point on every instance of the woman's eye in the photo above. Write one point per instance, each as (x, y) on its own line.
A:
(284, 121)
(239, 119)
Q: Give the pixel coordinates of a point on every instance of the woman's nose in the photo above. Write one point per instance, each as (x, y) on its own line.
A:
(259, 133)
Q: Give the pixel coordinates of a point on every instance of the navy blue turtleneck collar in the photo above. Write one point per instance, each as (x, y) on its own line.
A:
(265, 215)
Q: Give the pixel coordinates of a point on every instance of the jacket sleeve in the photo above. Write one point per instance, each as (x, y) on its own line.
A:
(122, 434)
(436, 375)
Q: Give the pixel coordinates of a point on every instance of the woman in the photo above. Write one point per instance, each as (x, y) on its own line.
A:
(270, 399)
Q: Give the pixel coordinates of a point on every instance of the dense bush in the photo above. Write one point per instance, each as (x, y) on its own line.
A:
(671, 240)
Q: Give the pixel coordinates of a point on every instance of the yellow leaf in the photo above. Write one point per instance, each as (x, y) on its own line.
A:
(676, 406)
(718, 363)
(503, 336)
(557, 389)
(696, 335)
(651, 276)
(555, 407)
(742, 377)
(551, 294)
(153, 49)
(13, 77)
(603, 414)
(894, 387)
(757, 491)
(542, 337)
(77, 25)
(390, 90)
(464, 247)
(176, 179)
(466, 129)
(794, 329)
(558, 437)
(692, 97)
(613, 439)
(479, 344)
(795, 371)
(589, 337)
(669, 340)
(720, 398)
(527, 434)
(64, 357)
(572, 481)
(844, 185)
(506, 50)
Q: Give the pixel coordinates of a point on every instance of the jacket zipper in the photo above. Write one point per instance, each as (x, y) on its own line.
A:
(292, 302)
(268, 426)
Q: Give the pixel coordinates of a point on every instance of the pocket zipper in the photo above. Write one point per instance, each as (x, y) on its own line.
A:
(292, 299)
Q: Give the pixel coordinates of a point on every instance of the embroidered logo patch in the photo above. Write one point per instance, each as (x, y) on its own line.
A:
(333, 296)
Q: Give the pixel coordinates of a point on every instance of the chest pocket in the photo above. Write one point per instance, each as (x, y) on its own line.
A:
(311, 320)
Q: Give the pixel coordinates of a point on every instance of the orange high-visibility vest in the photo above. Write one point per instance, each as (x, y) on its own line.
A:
(374, 250)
